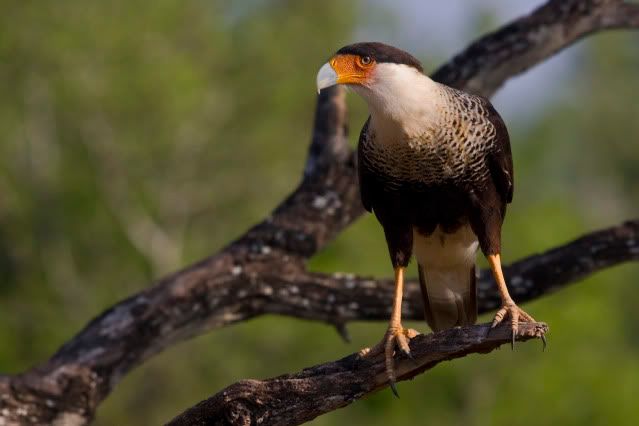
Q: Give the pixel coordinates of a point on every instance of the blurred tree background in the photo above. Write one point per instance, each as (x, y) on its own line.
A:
(138, 137)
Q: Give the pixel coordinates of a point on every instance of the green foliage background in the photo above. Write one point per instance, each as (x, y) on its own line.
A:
(137, 137)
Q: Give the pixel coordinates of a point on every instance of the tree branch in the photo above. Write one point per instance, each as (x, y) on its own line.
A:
(341, 298)
(488, 62)
(264, 270)
(293, 399)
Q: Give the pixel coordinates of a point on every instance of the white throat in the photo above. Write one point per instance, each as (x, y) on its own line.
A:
(401, 99)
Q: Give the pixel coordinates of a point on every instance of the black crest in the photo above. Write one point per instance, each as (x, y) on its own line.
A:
(381, 52)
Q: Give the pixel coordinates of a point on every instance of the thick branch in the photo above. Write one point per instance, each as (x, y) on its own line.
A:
(293, 399)
(264, 271)
(362, 298)
(335, 299)
(488, 62)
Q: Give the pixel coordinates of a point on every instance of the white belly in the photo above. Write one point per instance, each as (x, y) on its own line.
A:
(443, 251)
(447, 262)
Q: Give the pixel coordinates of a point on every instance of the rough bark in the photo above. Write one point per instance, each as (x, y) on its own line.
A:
(264, 270)
(293, 399)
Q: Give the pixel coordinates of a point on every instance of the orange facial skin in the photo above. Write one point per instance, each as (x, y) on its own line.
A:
(352, 69)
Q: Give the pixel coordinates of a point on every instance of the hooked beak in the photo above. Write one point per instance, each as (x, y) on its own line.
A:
(344, 69)
(326, 77)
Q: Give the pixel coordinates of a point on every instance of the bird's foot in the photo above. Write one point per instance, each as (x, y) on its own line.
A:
(396, 335)
(516, 315)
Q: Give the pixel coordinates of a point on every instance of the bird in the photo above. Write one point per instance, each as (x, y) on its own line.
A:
(435, 168)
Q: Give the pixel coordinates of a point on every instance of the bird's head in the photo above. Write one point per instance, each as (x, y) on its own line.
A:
(376, 71)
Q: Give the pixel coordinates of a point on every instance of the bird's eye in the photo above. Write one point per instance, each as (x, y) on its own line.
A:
(366, 60)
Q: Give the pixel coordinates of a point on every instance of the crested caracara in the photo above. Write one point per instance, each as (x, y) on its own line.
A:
(435, 168)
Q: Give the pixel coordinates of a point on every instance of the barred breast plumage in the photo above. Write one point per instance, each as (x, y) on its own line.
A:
(435, 167)
(450, 148)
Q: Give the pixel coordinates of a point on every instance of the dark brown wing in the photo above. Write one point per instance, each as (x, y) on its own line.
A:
(489, 202)
(500, 158)
(366, 178)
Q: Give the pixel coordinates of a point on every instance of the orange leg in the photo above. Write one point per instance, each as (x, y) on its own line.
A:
(508, 306)
(396, 333)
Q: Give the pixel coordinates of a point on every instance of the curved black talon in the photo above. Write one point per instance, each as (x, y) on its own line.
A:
(394, 389)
